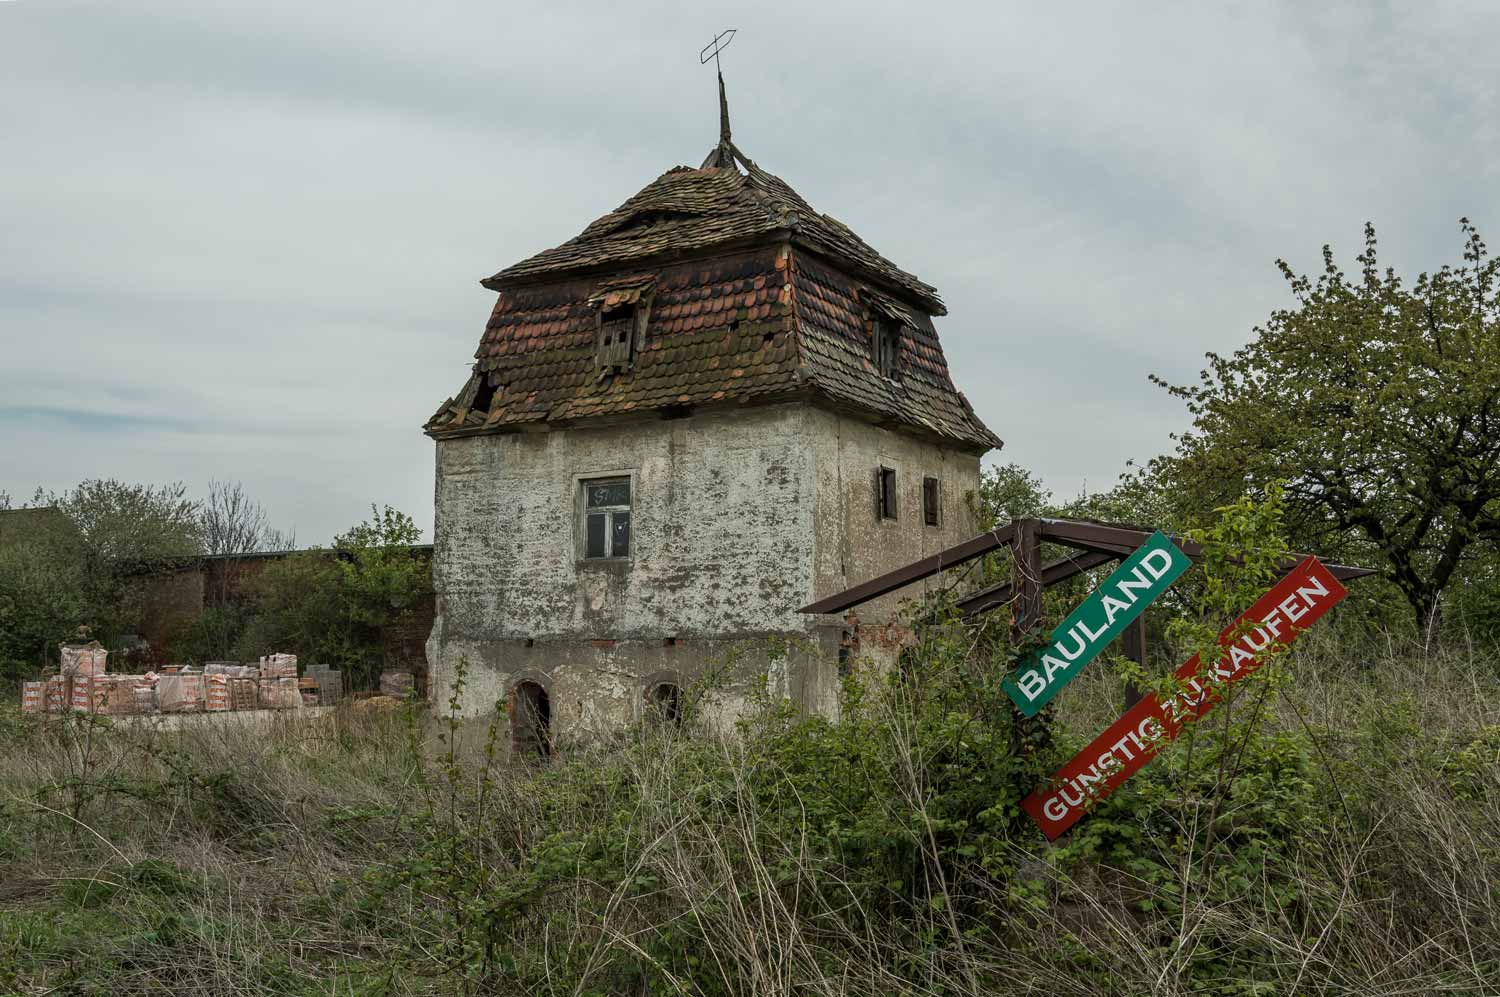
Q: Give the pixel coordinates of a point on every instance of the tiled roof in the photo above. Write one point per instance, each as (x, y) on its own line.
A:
(740, 291)
(759, 324)
(718, 329)
(687, 210)
(834, 333)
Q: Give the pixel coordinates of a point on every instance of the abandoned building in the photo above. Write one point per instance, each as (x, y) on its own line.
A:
(709, 408)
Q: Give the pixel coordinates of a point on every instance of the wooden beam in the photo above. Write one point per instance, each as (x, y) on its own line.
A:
(1026, 576)
(916, 571)
(1123, 540)
(1099, 541)
(1052, 572)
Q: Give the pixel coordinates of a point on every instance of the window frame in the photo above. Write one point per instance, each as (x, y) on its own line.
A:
(932, 514)
(614, 343)
(581, 483)
(885, 345)
(887, 493)
(628, 333)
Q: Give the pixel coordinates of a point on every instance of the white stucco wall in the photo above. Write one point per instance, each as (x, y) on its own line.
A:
(739, 518)
(722, 534)
(854, 544)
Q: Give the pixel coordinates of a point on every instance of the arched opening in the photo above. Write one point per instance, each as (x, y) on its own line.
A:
(531, 721)
(906, 666)
(664, 703)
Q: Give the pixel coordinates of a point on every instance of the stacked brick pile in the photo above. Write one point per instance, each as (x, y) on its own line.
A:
(278, 682)
(83, 685)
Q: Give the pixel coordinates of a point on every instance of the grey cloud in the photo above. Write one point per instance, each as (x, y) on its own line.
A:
(243, 240)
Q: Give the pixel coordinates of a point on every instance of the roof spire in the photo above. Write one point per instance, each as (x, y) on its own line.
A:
(722, 155)
(723, 113)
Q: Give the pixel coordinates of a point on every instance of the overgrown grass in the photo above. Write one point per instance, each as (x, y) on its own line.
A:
(1356, 850)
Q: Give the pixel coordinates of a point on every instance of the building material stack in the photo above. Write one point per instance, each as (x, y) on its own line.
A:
(83, 685)
(330, 684)
(180, 690)
(278, 682)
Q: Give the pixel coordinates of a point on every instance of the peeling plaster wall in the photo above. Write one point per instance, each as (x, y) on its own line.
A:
(855, 544)
(722, 542)
(738, 518)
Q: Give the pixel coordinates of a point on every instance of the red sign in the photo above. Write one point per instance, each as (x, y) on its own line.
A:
(1292, 605)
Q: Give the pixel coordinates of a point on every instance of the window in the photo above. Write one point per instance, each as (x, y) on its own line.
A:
(846, 654)
(885, 492)
(531, 721)
(606, 518)
(886, 346)
(616, 336)
(484, 394)
(932, 502)
(621, 312)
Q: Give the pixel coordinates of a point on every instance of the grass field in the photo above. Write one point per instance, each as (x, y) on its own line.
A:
(1340, 834)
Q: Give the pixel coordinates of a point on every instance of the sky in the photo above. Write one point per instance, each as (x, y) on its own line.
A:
(244, 240)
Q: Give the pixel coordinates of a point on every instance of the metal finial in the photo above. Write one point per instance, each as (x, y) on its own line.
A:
(720, 43)
(723, 154)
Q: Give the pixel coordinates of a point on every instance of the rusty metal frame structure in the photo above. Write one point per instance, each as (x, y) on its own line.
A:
(1097, 543)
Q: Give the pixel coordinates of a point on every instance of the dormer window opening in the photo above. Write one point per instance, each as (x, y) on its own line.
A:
(886, 346)
(484, 394)
(616, 328)
(622, 313)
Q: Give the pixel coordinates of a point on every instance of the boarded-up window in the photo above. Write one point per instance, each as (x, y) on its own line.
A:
(616, 336)
(885, 492)
(932, 505)
(606, 518)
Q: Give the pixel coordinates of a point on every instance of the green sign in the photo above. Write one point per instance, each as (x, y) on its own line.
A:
(1101, 618)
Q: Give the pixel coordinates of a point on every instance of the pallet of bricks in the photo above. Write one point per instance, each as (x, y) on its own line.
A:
(278, 683)
(84, 685)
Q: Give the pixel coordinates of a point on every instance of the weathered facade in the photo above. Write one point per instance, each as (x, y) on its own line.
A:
(709, 408)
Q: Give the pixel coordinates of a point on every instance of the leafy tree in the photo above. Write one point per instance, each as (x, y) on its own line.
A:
(44, 595)
(125, 524)
(70, 560)
(1009, 493)
(381, 579)
(337, 605)
(297, 604)
(1378, 403)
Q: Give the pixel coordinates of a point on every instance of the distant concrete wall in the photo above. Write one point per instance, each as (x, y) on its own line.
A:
(739, 518)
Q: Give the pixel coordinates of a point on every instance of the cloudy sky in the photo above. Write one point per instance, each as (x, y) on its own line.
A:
(243, 240)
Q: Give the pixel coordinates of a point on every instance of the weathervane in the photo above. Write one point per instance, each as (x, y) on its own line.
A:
(722, 154)
(720, 43)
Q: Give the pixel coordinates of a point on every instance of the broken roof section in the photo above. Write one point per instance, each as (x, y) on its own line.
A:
(743, 293)
(687, 210)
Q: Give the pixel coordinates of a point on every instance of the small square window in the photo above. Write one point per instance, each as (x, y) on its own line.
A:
(932, 502)
(885, 492)
(606, 518)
